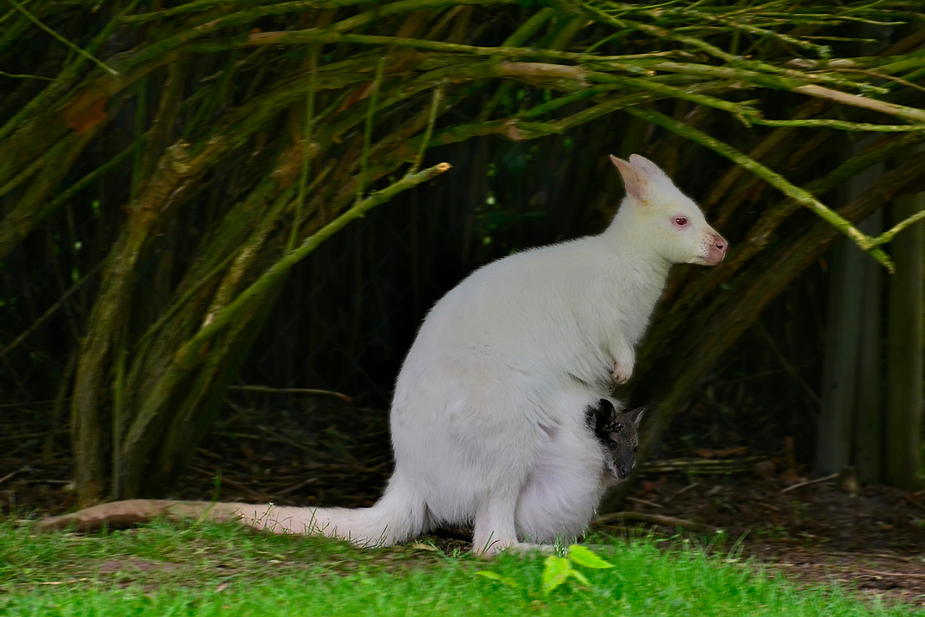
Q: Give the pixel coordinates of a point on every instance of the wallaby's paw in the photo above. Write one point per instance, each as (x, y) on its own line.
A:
(621, 374)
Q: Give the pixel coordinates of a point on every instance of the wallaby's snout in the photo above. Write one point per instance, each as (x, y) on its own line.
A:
(716, 246)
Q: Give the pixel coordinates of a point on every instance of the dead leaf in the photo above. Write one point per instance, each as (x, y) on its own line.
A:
(83, 115)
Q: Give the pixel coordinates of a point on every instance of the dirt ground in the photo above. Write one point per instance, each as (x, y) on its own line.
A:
(871, 538)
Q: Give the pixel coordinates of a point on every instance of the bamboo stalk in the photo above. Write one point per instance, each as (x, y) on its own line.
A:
(188, 353)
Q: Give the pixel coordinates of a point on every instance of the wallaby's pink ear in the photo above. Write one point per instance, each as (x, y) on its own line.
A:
(633, 178)
(646, 166)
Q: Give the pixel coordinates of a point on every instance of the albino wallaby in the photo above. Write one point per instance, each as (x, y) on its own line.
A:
(488, 419)
(617, 433)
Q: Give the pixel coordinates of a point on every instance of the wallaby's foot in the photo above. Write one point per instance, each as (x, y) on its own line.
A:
(527, 548)
(517, 548)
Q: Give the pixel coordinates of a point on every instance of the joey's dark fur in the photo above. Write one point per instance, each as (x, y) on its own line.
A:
(618, 435)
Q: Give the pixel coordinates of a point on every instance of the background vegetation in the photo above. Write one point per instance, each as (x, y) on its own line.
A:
(164, 167)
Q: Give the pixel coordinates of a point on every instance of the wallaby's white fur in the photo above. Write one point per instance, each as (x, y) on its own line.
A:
(488, 420)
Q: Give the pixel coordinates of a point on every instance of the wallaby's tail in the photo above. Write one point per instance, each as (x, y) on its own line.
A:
(397, 517)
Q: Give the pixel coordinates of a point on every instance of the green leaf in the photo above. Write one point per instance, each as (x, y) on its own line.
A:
(581, 578)
(497, 577)
(585, 557)
(556, 571)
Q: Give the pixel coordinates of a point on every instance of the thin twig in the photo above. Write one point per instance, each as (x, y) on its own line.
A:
(307, 127)
(888, 235)
(51, 311)
(434, 106)
(645, 502)
(657, 519)
(879, 75)
(77, 49)
(24, 76)
(684, 490)
(268, 390)
(892, 574)
(807, 483)
(14, 473)
(368, 133)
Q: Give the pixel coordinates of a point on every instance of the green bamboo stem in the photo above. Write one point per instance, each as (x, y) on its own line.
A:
(27, 210)
(822, 50)
(189, 353)
(900, 111)
(712, 50)
(842, 125)
(25, 76)
(741, 111)
(368, 132)
(50, 156)
(779, 82)
(518, 38)
(888, 235)
(431, 120)
(88, 179)
(404, 6)
(63, 40)
(204, 5)
(776, 180)
(202, 274)
(307, 122)
(505, 50)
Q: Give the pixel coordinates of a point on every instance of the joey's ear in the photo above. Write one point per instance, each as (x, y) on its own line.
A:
(637, 414)
(646, 166)
(634, 179)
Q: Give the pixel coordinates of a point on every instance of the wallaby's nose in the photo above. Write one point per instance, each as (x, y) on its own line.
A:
(717, 246)
(623, 473)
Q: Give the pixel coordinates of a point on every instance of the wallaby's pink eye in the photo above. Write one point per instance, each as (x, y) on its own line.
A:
(680, 221)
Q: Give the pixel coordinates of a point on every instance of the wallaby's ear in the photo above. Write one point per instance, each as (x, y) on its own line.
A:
(637, 414)
(646, 166)
(634, 178)
(609, 411)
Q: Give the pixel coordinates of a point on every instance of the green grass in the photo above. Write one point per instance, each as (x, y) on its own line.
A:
(206, 569)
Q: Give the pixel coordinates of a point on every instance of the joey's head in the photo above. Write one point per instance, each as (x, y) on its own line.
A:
(657, 216)
(618, 435)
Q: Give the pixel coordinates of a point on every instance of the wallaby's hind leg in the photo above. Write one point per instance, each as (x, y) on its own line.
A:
(493, 528)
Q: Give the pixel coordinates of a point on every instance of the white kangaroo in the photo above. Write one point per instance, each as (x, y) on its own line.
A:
(488, 421)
